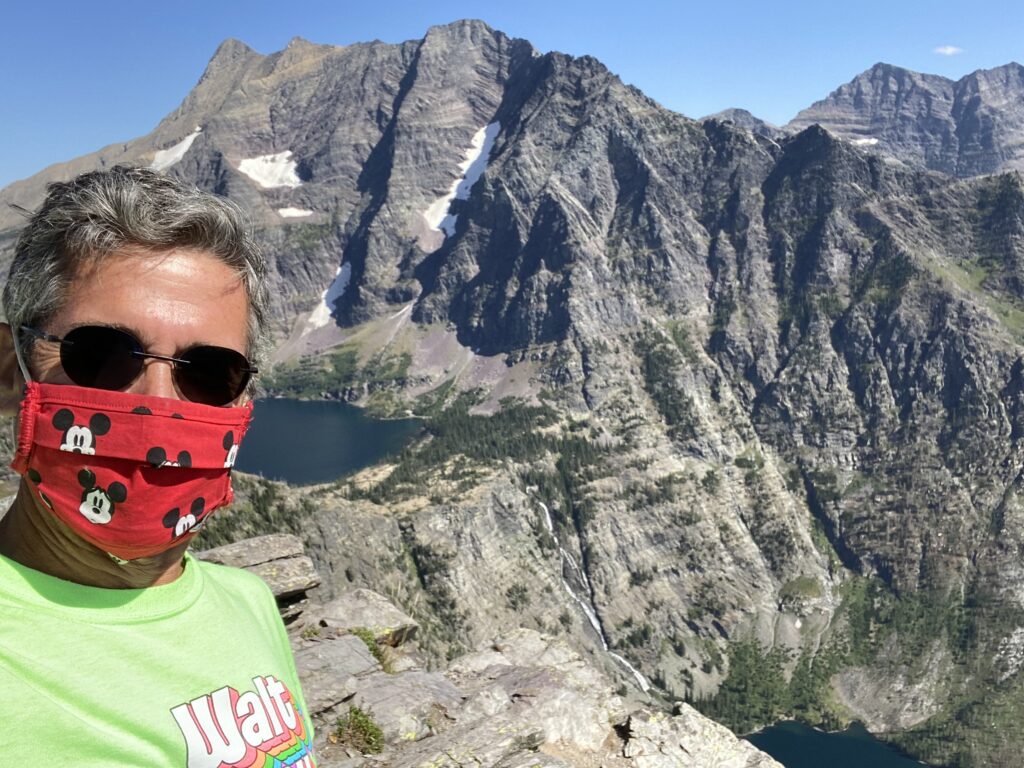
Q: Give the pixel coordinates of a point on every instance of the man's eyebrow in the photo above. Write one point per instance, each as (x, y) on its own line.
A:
(106, 324)
(145, 341)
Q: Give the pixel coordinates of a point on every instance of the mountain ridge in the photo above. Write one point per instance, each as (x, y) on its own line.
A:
(966, 127)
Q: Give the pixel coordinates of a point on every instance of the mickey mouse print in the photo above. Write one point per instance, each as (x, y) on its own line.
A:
(132, 474)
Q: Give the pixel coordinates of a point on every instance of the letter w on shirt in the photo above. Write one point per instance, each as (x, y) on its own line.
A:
(225, 729)
(212, 735)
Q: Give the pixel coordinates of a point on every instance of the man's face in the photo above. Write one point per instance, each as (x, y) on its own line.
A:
(170, 301)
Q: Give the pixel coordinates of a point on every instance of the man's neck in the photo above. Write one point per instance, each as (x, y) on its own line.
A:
(37, 539)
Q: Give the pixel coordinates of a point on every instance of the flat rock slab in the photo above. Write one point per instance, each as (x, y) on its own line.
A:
(543, 699)
(657, 740)
(291, 576)
(408, 706)
(368, 609)
(496, 744)
(254, 551)
(528, 648)
(329, 670)
(532, 760)
(530, 679)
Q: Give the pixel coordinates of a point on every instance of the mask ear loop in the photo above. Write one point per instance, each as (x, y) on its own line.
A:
(17, 354)
(28, 378)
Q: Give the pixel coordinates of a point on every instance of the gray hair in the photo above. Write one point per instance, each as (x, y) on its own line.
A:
(102, 212)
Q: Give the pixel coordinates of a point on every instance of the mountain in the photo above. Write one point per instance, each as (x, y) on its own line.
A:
(745, 119)
(739, 416)
(967, 127)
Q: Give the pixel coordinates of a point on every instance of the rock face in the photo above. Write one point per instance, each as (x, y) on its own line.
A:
(659, 741)
(522, 700)
(742, 388)
(278, 559)
(745, 119)
(365, 608)
(967, 127)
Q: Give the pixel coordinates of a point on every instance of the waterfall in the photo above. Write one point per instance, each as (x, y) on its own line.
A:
(586, 605)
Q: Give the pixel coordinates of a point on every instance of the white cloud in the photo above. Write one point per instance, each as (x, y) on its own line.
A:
(947, 50)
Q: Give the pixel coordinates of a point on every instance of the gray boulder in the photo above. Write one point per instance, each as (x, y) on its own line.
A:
(364, 608)
(657, 740)
(328, 670)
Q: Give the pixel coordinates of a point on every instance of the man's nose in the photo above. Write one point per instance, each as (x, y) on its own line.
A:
(157, 379)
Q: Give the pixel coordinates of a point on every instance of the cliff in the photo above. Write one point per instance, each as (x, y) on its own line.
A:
(523, 699)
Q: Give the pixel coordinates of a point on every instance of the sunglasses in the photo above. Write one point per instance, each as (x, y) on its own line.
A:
(101, 357)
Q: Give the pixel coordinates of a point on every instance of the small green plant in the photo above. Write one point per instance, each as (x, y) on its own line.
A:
(639, 578)
(518, 596)
(357, 729)
(711, 482)
(311, 632)
(370, 640)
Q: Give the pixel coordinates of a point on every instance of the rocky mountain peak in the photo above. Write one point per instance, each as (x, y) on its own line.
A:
(462, 29)
(1009, 75)
(299, 43)
(967, 127)
(230, 52)
(747, 120)
(881, 71)
(987, 95)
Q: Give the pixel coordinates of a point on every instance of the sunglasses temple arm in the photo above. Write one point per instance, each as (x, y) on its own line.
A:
(17, 354)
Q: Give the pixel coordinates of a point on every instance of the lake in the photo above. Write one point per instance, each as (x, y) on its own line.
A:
(315, 441)
(797, 746)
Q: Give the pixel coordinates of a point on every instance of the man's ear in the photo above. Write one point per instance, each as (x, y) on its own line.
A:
(11, 381)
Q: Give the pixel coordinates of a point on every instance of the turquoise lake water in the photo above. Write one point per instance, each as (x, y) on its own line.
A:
(315, 441)
(797, 746)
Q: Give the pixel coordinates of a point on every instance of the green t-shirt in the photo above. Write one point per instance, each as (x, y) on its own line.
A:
(197, 673)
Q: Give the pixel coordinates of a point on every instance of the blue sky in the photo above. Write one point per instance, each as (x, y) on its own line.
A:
(81, 75)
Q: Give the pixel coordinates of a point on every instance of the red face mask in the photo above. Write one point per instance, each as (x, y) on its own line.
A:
(131, 474)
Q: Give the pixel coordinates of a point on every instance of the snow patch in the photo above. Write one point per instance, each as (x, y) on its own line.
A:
(471, 169)
(293, 213)
(271, 171)
(165, 158)
(864, 142)
(402, 311)
(321, 315)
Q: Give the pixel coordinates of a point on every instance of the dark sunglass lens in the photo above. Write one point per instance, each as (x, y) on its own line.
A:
(95, 356)
(212, 375)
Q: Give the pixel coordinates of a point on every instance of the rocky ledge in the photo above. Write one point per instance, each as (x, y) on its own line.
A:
(524, 700)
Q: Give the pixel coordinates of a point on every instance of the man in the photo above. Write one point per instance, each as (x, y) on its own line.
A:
(134, 306)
